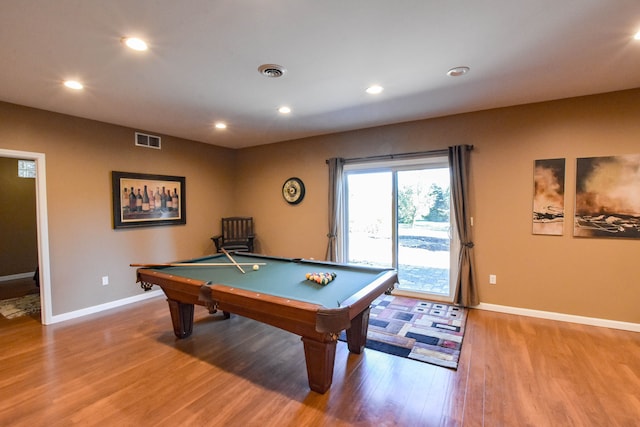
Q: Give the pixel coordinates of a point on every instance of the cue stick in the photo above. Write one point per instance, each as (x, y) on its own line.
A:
(231, 259)
(195, 264)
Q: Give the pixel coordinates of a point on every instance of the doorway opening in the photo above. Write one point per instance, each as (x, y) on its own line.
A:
(42, 229)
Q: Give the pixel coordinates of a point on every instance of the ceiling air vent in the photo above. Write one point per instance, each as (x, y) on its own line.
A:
(272, 70)
(149, 141)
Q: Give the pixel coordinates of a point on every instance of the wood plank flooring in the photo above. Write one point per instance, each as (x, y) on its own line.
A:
(17, 288)
(124, 367)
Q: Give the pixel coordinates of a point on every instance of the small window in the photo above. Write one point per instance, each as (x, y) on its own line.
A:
(26, 168)
(150, 141)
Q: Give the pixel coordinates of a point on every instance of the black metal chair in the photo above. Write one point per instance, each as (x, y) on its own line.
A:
(236, 234)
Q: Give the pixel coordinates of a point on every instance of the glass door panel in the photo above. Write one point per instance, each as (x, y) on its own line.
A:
(423, 230)
(369, 219)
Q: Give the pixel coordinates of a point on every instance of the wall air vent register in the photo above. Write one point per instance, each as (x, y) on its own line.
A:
(149, 141)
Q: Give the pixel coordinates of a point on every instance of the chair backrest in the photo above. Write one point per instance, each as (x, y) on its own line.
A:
(237, 228)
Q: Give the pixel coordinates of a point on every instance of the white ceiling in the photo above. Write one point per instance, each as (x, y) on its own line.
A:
(202, 63)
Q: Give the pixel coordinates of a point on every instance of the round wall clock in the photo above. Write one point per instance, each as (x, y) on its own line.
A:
(293, 191)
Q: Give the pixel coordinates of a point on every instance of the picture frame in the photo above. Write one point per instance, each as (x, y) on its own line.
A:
(146, 200)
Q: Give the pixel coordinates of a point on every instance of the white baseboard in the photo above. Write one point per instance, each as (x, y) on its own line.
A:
(102, 307)
(17, 276)
(592, 321)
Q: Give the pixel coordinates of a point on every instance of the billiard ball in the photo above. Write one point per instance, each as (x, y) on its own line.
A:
(256, 267)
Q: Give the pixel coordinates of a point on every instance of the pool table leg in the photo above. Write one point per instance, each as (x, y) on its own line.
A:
(181, 317)
(320, 357)
(357, 333)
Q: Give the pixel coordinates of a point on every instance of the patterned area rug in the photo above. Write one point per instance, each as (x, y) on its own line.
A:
(16, 307)
(422, 330)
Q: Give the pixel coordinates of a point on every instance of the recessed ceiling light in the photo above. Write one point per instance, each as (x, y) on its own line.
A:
(135, 43)
(375, 89)
(73, 84)
(458, 71)
(637, 36)
(221, 125)
(284, 110)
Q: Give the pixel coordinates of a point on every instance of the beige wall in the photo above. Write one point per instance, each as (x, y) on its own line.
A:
(18, 245)
(587, 277)
(80, 156)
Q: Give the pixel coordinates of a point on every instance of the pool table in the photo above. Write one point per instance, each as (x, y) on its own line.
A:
(277, 293)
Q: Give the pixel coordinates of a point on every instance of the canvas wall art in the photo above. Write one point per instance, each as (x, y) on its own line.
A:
(548, 197)
(608, 197)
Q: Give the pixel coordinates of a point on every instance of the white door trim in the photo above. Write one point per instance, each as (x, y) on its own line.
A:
(42, 226)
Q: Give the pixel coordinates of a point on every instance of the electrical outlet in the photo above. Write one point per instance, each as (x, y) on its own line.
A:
(105, 280)
(492, 279)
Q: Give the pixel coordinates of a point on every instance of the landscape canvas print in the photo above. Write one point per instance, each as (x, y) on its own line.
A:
(608, 197)
(548, 197)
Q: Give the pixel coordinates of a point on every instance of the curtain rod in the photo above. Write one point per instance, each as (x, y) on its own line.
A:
(430, 153)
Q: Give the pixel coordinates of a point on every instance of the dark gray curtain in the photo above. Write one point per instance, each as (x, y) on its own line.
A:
(466, 292)
(336, 166)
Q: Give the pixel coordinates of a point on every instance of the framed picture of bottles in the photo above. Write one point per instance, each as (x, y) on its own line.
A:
(143, 200)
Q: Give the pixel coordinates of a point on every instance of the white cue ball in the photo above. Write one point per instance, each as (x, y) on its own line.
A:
(256, 267)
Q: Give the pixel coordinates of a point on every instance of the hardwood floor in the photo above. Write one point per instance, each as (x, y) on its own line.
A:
(17, 288)
(124, 367)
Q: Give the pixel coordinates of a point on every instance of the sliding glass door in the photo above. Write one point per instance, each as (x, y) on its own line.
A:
(398, 214)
